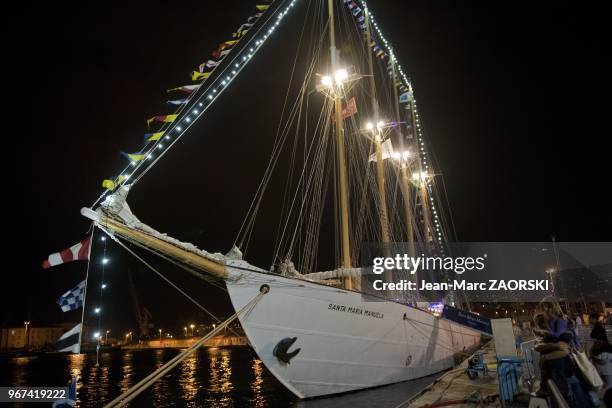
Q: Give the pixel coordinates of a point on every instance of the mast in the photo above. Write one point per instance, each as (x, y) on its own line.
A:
(344, 215)
(403, 165)
(377, 129)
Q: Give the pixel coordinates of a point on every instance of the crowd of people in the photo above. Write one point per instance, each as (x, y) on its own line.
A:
(560, 351)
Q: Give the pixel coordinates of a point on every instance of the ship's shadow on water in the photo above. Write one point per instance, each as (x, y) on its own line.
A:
(216, 377)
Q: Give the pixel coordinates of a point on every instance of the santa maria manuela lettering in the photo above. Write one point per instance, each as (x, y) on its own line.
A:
(355, 310)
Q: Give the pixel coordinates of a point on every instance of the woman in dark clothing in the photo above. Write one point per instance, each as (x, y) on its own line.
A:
(599, 331)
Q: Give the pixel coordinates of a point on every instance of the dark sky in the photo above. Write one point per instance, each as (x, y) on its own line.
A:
(508, 94)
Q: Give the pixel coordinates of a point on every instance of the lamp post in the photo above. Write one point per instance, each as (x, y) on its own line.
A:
(185, 328)
(192, 326)
(26, 339)
(106, 336)
(160, 333)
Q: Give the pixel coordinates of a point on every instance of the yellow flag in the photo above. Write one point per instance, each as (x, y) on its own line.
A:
(197, 76)
(262, 7)
(154, 136)
(108, 184)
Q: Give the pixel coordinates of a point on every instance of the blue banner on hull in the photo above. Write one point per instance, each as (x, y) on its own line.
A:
(468, 319)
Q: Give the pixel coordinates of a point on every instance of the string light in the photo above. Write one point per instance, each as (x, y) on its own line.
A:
(252, 50)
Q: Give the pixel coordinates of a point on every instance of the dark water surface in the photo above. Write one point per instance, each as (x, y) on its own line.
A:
(216, 377)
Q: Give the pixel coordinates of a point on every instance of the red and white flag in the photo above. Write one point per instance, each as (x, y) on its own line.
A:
(78, 252)
(349, 110)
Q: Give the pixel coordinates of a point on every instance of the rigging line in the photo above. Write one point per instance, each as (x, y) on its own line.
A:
(274, 158)
(279, 124)
(201, 93)
(217, 94)
(146, 382)
(195, 302)
(178, 263)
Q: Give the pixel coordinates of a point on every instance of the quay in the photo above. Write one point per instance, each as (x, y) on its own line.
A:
(217, 341)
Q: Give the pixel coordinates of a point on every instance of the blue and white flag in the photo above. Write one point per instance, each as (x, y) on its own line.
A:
(73, 299)
(69, 340)
(405, 97)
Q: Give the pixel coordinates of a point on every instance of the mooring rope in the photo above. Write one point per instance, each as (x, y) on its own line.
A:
(146, 382)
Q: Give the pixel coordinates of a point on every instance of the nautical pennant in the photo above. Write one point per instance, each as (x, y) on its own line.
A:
(405, 97)
(220, 54)
(112, 184)
(133, 157)
(254, 17)
(69, 341)
(151, 137)
(161, 118)
(178, 102)
(349, 110)
(387, 151)
(208, 64)
(72, 299)
(197, 76)
(227, 44)
(77, 252)
(185, 88)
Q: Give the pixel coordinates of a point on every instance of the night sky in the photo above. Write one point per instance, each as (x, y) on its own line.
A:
(508, 94)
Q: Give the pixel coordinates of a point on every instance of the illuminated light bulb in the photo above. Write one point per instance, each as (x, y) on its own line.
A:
(380, 124)
(201, 104)
(103, 286)
(96, 335)
(159, 146)
(195, 112)
(187, 120)
(340, 76)
(167, 137)
(223, 82)
(236, 65)
(149, 156)
(133, 163)
(178, 128)
(227, 78)
(105, 261)
(369, 126)
(103, 239)
(210, 96)
(326, 80)
(97, 310)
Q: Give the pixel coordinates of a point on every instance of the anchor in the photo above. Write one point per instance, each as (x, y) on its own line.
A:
(281, 350)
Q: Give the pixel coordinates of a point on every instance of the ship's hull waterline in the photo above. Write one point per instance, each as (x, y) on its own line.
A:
(345, 342)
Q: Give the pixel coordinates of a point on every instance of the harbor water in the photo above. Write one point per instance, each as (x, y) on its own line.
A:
(211, 377)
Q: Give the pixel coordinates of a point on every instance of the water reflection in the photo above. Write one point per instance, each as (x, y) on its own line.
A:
(127, 371)
(220, 376)
(189, 380)
(258, 399)
(160, 388)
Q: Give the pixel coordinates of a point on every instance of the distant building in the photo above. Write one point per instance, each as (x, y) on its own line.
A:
(34, 337)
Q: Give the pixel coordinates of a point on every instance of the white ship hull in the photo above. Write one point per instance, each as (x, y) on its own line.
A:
(346, 344)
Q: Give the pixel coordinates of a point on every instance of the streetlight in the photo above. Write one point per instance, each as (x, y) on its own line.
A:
(185, 328)
(25, 340)
(106, 337)
(160, 332)
(192, 326)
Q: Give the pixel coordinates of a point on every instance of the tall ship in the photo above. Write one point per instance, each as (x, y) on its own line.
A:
(355, 167)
